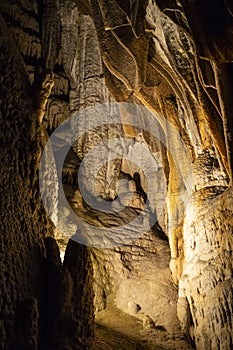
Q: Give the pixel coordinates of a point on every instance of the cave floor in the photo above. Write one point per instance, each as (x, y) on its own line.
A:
(116, 330)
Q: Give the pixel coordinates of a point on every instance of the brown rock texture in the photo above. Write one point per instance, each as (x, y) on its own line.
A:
(172, 58)
(37, 292)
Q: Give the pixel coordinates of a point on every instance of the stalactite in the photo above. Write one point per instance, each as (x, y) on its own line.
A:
(50, 32)
(43, 84)
(61, 85)
(223, 73)
(70, 21)
(57, 112)
(29, 45)
(18, 13)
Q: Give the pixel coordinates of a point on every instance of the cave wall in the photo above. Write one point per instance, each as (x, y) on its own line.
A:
(162, 55)
(122, 276)
(42, 301)
(23, 220)
(187, 86)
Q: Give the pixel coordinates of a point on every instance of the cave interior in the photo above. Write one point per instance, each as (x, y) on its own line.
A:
(116, 174)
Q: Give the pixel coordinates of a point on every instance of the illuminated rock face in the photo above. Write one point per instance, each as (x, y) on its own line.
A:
(206, 280)
(189, 91)
(172, 57)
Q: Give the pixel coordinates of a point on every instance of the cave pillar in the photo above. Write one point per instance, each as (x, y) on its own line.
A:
(205, 287)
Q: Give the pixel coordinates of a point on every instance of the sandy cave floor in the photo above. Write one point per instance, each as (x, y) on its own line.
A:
(116, 330)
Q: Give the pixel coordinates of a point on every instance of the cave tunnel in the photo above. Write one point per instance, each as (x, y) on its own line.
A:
(116, 175)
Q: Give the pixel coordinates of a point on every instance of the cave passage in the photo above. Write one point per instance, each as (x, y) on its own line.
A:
(116, 175)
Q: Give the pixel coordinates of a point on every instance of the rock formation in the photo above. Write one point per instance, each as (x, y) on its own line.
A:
(150, 85)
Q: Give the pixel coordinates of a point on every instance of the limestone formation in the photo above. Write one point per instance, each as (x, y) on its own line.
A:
(109, 64)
